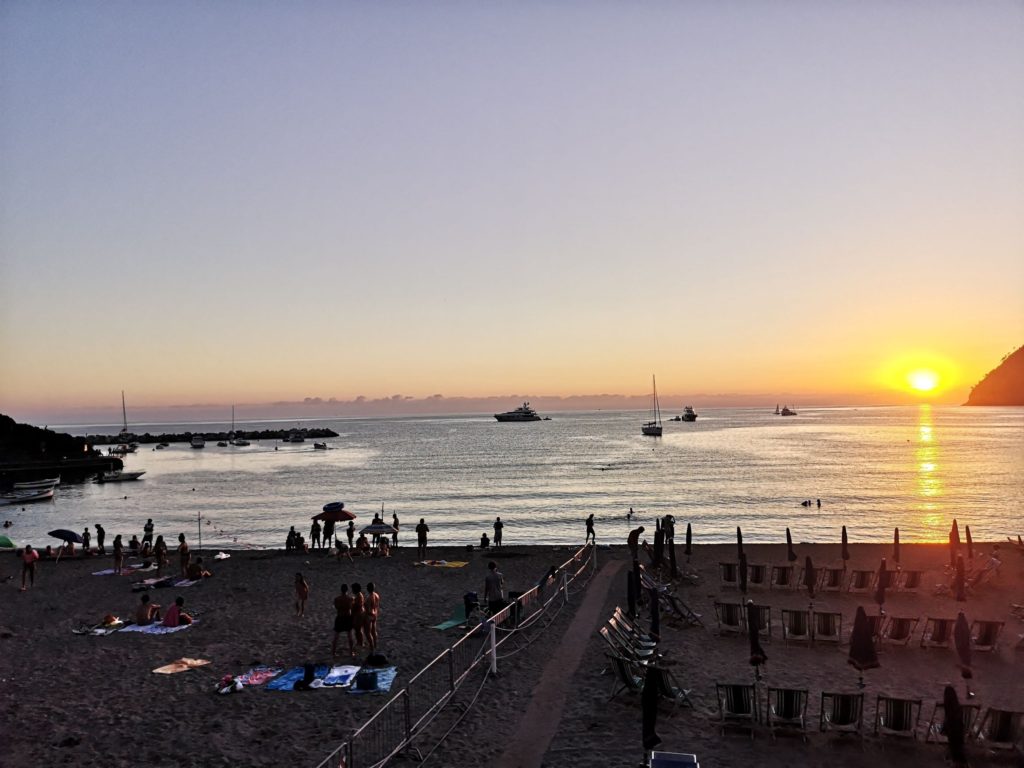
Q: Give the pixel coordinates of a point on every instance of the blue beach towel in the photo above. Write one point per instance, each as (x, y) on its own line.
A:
(385, 677)
(342, 676)
(157, 629)
(287, 681)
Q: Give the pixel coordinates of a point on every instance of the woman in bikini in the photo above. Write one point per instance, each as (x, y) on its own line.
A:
(160, 551)
(358, 614)
(184, 554)
(301, 595)
(372, 612)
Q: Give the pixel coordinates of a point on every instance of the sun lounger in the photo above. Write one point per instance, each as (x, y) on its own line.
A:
(898, 630)
(985, 634)
(832, 579)
(737, 706)
(827, 627)
(629, 638)
(680, 610)
(938, 633)
(897, 717)
(909, 581)
(796, 626)
(935, 732)
(627, 627)
(782, 577)
(632, 653)
(729, 574)
(1000, 729)
(841, 712)
(624, 676)
(764, 621)
(787, 710)
(668, 688)
(861, 582)
(728, 617)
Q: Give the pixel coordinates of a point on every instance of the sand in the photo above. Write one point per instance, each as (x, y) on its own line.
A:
(90, 701)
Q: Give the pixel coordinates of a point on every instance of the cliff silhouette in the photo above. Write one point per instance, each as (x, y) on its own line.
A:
(1002, 386)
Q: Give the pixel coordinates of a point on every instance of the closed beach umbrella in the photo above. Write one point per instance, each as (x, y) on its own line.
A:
(655, 616)
(970, 543)
(649, 710)
(757, 654)
(790, 554)
(810, 576)
(689, 541)
(65, 535)
(739, 542)
(659, 544)
(672, 557)
(882, 583)
(862, 645)
(960, 581)
(743, 572)
(846, 550)
(952, 551)
(954, 541)
(896, 545)
(953, 727)
(962, 640)
(955, 532)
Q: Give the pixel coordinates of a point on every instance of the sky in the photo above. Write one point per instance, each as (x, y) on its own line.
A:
(258, 202)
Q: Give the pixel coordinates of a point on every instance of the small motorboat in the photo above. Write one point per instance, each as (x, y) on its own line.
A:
(119, 476)
(241, 442)
(198, 441)
(688, 414)
(222, 444)
(41, 485)
(26, 496)
(320, 446)
(787, 411)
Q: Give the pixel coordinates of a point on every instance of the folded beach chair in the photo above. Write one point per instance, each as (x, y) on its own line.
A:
(457, 619)
(728, 616)
(764, 621)
(668, 688)
(842, 712)
(630, 653)
(757, 575)
(624, 623)
(624, 676)
(796, 626)
(897, 717)
(985, 634)
(782, 577)
(861, 582)
(679, 610)
(648, 581)
(1000, 729)
(909, 581)
(630, 638)
(737, 706)
(827, 627)
(935, 731)
(898, 630)
(832, 579)
(938, 633)
(787, 710)
(729, 574)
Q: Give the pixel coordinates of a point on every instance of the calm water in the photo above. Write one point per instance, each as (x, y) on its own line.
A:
(872, 468)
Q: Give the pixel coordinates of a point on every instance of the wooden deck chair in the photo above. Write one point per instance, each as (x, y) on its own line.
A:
(938, 633)
(628, 647)
(737, 706)
(729, 574)
(796, 626)
(648, 581)
(842, 712)
(624, 676)
(625, 623)
(985, 634)
(861, 582)
(728, 616)
(764, 621)
(832, 579)
(827, 627)
(897, 717)
(1000, 728)
(668, 688)
(898, 630)
(935, 732)
(679, 610)
(782, 577)
(629, 637)
(909, 581)
(630, 654)
(875, 625)
(757, 575)
(787, 710)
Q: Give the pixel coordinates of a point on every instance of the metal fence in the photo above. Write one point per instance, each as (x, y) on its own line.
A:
(392, 729)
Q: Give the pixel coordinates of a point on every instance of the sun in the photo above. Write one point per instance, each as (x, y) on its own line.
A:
(923, 380)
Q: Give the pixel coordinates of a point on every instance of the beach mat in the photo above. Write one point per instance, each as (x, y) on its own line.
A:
(443, 563)
(287, 681)
(181, 665)
(385, 677)
(156, 629)
(258, 675)
(100, 630)
(186, 583)
(341, 676)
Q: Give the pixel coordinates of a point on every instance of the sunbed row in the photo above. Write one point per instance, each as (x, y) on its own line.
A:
(829, 579)
(739, 706)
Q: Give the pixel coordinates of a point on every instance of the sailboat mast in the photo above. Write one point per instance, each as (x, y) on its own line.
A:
(657, 405)
(124, 412)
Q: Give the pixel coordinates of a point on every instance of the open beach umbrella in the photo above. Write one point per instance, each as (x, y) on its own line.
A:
(962, 640)
(846, 549)
(672, 557)
(862, 645)
(953, 727)
(379, 529)
(655, 616)
(970, 543)
(739, 542)
(649, 710)
(689, 542)
(896, 545)
(65, 535)
(743, 572)
(810, 576)
(882, 582)
(790, 554)
(757, 654)
(960, 581)
(335, 512)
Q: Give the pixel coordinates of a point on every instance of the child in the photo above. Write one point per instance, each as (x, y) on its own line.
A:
(301, 595)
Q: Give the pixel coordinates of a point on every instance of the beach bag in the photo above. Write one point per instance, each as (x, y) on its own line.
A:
(377, 660)
(366, 680)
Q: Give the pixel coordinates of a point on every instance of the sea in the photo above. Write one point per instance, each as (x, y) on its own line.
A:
(873, 469)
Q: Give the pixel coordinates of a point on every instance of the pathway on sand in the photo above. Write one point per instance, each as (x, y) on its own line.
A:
(531, 739)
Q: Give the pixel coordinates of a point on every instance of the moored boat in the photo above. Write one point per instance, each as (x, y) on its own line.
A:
(52, 482)
(320, 446)
(522, 413)
(786, 411)
(198, 441)
(27, 495)
(119, 476)
(688, 414)
(653, 427)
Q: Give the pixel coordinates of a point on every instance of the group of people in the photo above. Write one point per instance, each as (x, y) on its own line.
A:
(148, 613)
(356, 614)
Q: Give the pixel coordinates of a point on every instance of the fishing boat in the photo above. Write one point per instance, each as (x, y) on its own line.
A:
(239, 441)
(688, 414)
(198, 441)
(26, 496)
(786, 411)
(522, 413)
(52, 482)
(652, 428)
(119, 476)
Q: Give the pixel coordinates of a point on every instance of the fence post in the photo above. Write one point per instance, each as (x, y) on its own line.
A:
(565, 586)
(408, 716)
(494, 646)
(451, 671)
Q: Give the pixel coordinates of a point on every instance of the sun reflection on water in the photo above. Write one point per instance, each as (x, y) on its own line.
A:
(929, 483)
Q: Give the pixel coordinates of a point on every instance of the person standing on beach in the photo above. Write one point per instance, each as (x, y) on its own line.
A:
(498, 526)
(86, 538)
(350, 532)
(314, 534)
(100, 536)
(591, 536)
(421, 539)
(28, 567)
(394, 524)
(328, 533)
(147, 531)
(633, 542)
(359, 614)
(184, 556)
(372, 612)
(160, 552)
(301, 595)
(668, 529)
(118, 555)
(494, 588)
(343, 620)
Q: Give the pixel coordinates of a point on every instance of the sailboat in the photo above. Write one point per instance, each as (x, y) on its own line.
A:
(124, 437)
(653, 428)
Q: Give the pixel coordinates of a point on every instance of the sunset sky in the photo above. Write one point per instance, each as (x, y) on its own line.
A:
(247, 202)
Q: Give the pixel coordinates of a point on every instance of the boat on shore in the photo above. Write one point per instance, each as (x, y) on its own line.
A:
(653, 427)
(522, 413)
(27, 496)
(119, 476)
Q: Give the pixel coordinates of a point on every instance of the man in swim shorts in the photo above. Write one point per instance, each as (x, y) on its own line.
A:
(343, 621)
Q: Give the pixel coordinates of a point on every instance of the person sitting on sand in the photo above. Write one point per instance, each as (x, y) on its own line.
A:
(343, 621)
(197, 571)
(300, 544)
(344, 550)
(175, 616)
(134, 544)
(68, 550)
(48, 553)
(147, 550)
(301, 595)
(147, 612)
(383, 548)
(362, 545)
(484, 541)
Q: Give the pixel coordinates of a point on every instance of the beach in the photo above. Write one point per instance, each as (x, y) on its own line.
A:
(94, 700)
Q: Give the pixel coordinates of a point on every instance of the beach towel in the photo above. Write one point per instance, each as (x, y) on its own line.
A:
(287, 681)
(181, 665)
(100, 630)
(443, 563)
(221, 556)
(127, 570)
(186, 583)
(342, 676)
(258, 675)
(385, 677)
(156, 629)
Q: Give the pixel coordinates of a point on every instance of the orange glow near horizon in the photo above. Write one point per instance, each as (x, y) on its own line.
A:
(923, 380)
(925, 375)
